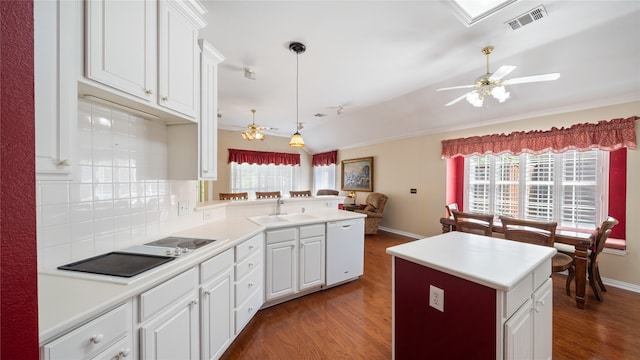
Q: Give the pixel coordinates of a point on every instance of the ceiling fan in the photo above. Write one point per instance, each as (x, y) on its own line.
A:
(493, 83)
(253, 131)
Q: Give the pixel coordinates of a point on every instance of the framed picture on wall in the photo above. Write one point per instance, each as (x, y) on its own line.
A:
(357, 174)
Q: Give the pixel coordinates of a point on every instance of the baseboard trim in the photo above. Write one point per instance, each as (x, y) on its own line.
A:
(622, 285)
(403, 233)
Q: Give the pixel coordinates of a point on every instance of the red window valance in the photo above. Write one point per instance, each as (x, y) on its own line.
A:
(326, 158)
(605, 135)
(263, 157)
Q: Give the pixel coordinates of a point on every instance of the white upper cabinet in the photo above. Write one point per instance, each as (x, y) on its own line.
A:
(144, 54)
(56, 101)
(121, 47)
(208, 136)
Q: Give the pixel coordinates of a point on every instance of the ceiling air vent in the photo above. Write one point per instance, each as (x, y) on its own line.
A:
(527, 18)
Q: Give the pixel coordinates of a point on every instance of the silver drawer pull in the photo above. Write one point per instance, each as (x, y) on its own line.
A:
(250, 285)
(96, 339)
(64, 163)
(250, 309)
(165, 98)
(148, 91)
(250, 247)
(250, 265)
(124, 352)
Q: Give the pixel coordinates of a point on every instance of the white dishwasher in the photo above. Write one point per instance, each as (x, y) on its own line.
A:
(345, 250)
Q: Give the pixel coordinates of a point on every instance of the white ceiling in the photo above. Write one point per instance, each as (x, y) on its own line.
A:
(383, 60)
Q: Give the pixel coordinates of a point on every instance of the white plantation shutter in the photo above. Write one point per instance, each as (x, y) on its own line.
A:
(507, 185)
(539, 187)
(569, 188)
(578, 194)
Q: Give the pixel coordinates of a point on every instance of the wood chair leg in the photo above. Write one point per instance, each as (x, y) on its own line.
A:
(572, 274)
(592, 282)
(596, 273)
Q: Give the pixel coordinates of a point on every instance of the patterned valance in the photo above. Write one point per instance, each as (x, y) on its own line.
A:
(263, 157)
(326, 158)
(604, 135)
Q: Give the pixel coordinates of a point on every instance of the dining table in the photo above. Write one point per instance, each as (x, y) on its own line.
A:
(581, 241)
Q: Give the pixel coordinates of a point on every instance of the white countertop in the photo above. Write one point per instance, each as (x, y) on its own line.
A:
(493, 262)
(67, 301)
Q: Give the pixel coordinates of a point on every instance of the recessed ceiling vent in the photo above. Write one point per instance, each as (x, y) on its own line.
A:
(527, 18)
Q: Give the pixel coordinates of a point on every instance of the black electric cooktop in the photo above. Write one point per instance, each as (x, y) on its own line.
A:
(118, 264)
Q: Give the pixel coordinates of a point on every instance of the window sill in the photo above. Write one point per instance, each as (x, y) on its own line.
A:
(615, 246)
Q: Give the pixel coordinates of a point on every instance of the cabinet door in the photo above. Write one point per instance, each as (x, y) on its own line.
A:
(311, 262)
(518, 334)
(281, 269)
(173, 334)
(543, 321)
(217, 315)
(208, 130)
(121, 45)
(178, 61)
(55, 84)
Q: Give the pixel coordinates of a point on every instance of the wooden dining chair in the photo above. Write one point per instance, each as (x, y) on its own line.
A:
(234, 196)
(481, 224)
(537, 233)
(450, 208)
(305, 193)
(267, 194)
(593, 272)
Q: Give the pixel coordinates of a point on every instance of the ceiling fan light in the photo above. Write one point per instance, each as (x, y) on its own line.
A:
(259, 136)
(475, 99)
(247, 136)
(500, 93)
(296, 141)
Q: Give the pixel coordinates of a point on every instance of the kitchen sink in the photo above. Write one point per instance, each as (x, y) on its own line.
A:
(280, 218)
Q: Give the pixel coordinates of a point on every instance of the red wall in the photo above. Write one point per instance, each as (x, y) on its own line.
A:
(465, 330)
(18, 264)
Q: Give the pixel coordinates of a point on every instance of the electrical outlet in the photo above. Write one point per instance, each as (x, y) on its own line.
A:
(436, 298)
(183, 208)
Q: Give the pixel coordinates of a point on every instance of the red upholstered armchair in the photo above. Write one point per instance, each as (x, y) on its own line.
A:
(374, 208)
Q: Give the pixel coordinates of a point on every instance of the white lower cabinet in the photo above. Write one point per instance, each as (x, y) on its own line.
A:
(95, 338)
(295, 260)
(216, 305)
(528, 332)
(249, 280)
(170, 319)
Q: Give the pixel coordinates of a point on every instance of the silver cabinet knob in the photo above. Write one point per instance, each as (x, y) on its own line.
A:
(148, 91)
(96, 339)
(165, 98)
(64, 162)
(124, 352)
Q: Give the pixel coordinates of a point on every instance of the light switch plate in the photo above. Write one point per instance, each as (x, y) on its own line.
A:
(436, 298)
(183, 208)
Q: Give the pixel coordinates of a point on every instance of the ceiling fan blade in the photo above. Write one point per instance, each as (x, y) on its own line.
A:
(457, 87)
(458, 99)
(503, 71)
(532, 78)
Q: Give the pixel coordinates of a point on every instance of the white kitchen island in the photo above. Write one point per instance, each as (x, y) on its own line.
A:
(466, 296)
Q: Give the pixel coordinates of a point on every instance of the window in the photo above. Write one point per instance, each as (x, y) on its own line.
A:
(269, 177)
(569, 188)
(324, 177)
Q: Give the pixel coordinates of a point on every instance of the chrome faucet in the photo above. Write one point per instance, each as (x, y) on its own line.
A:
(279, 202)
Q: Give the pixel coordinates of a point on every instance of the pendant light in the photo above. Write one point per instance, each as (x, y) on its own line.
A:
(296, 139)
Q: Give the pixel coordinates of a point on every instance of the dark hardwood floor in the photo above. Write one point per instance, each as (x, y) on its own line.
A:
(353, 321)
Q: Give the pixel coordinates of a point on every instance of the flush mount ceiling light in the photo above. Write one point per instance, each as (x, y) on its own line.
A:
(494, 85)
(253, 130)
(296, 139)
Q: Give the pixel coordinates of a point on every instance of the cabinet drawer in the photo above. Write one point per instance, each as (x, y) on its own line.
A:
(247, 310)
(274, 236)
(161, 296)
(119, 351)
(248, 264)
(541, 274)
(248, 247)
(312, 231)
(247, 285)
(213, 266)
(93, 337)
(518, 295)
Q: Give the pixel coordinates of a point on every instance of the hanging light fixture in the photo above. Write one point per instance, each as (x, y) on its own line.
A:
(296, 139)
(253, 130)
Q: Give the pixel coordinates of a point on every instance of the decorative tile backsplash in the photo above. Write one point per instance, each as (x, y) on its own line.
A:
(118, 195)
